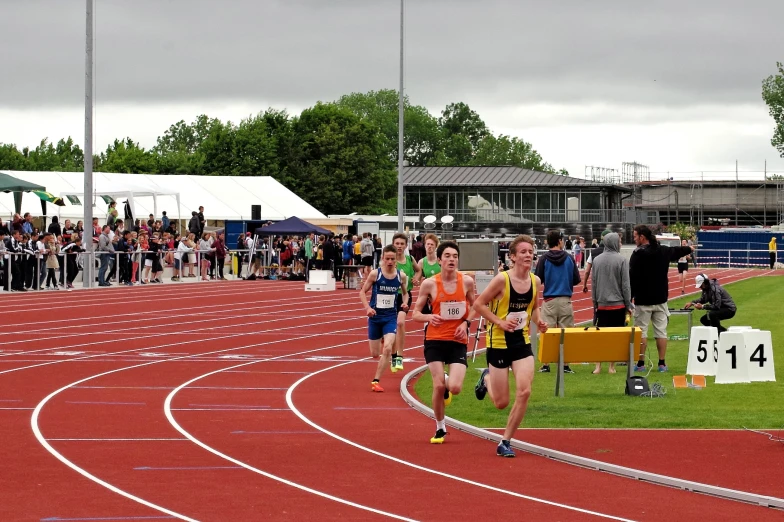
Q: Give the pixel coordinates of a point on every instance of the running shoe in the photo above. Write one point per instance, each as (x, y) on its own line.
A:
(447, 398)
(393, 364)
(544, 369)
(505, 450)
(438, 438)
(399, 364)
(480, 390)
(376, 386)
(663, 368)
(639, 368)
(567, 369)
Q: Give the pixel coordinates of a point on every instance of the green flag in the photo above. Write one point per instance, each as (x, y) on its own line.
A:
(49, 198)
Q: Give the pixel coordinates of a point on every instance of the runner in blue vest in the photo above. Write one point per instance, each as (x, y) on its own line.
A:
(382, 310)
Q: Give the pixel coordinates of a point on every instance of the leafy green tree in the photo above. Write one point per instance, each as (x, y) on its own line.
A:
(12, 158)
(458, 119)
(218, 149)
(340, 165)
(126, 157)
(65, 156)
(178, 150)
(504, 150)
(380, 109)
(773, 94)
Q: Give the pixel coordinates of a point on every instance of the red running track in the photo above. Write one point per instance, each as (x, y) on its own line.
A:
(251, 401)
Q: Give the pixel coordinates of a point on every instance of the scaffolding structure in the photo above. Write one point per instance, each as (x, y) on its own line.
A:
(633, 173)
(603, 175)
(696, 204)
(780, 201)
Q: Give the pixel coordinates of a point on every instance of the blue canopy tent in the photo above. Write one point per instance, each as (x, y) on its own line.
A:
(292, 226)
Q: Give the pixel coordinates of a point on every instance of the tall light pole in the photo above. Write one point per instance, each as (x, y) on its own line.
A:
(401, 221)
(87, 203)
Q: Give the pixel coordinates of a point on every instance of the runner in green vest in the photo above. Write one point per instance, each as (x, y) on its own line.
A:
(429, 264)
(407, 265)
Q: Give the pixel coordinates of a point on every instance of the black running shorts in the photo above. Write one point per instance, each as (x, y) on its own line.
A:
(504, 357)
(367, 261)
(399, 302)
(683, 267)
(447, 352)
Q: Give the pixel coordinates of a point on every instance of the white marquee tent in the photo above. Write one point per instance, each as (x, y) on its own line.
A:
(223, 197)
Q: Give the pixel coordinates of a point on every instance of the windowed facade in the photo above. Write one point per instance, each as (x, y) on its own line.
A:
(487, 204)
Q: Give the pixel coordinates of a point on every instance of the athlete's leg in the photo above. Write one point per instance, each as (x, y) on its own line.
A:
(386, 354)
(400, 340)
(375, 347)
(497, 383)
(457, 373)
(523, 370)
(437, 372)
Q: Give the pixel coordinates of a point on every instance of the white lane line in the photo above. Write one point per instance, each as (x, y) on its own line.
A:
(16, 408)
(179, 343)
(207, 309)
(180, 324)
(119, 440)
(59, 456)
(168, 411)
(168, 292)
(299, 414)
(231, 409)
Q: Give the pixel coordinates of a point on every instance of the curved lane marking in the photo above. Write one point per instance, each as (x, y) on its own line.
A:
(299, 414)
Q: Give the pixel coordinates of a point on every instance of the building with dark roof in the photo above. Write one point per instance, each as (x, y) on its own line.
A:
(515, 200)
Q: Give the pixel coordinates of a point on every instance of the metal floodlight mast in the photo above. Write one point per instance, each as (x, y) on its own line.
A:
(401, 221)
(88, 266)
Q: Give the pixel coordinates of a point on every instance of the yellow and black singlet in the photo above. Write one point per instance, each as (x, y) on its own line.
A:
(512, 306)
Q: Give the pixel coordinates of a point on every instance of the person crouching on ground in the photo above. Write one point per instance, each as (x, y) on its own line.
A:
(715, 300)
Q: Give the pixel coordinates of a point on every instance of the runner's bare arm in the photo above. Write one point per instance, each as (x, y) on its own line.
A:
(417, 279)
(469, 285)
(424, 293)
(369, 282)
(536, 313)
(404, 290)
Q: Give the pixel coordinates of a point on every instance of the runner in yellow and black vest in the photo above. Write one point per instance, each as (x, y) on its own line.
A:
(509, 305)
(407, 265)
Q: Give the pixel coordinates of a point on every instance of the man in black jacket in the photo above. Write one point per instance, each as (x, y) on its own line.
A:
(648, 269)
(715, 300)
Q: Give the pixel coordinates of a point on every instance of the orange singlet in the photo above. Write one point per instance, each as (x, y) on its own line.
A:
(452, 308)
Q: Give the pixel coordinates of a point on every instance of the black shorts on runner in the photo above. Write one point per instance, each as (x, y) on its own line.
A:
(447, 352)
(683, 267)
(504, 357)
(399, 302)
(367, 261)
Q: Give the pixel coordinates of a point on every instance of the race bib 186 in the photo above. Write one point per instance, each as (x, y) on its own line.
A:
(453, 309)
(385, 300)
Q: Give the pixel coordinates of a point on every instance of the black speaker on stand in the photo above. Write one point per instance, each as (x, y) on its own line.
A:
(255, 212)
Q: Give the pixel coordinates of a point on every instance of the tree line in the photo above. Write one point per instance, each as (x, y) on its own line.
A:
(340, 156)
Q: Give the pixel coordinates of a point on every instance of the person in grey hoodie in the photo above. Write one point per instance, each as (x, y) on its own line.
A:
(611, 289)
(106, 248)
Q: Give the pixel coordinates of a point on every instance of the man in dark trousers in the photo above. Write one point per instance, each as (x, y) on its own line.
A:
(648, 269)
(558, 273)
(715, 300)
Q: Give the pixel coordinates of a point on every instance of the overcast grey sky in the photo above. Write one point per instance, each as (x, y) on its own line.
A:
(675, 85)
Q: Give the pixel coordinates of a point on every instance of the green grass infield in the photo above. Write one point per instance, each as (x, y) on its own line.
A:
(598, 401)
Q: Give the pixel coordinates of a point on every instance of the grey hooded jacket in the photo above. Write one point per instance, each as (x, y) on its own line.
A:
(611, 285)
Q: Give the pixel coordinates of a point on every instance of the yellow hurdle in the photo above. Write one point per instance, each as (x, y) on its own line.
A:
(589, 344)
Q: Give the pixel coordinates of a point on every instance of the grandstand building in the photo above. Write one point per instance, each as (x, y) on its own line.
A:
(513, 200)
(711, 202)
